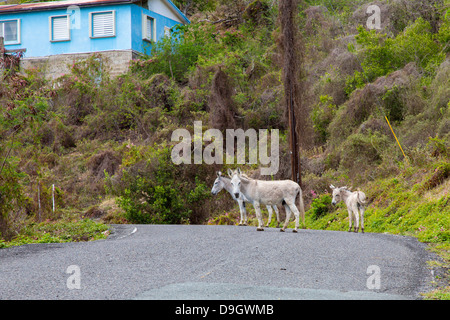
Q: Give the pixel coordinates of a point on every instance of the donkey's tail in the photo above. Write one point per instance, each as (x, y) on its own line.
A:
(361, 197)
(300, 205)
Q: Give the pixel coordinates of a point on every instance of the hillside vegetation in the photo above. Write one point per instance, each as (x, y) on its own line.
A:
(106, 143)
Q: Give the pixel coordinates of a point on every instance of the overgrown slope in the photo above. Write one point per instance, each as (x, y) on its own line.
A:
(105, 143)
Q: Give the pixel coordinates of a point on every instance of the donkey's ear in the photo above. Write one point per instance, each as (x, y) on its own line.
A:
(239, 171)
(219, 174)
(332, 187)
(230, 172)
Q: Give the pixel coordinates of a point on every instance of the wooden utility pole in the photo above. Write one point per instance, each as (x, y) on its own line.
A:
(293, 142)
(287, 9)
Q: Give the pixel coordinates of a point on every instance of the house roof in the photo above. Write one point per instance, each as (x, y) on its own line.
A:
(31, 6)
(55, 5)
(178, 11)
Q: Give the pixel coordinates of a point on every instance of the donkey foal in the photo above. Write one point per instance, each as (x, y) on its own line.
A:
(355, 202)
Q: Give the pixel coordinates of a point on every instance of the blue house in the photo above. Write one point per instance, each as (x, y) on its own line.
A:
(55, 33)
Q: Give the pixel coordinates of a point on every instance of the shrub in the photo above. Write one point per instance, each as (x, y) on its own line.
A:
(320, 206)
(441, 172)
(362, 153)
(382, 55)
(155, 192)
(322, 114)
(393, 104)
(175, 55)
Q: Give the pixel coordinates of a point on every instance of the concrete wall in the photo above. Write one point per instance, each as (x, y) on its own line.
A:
(116, 62)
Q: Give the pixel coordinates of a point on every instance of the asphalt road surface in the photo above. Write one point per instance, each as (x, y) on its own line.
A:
(218, 262)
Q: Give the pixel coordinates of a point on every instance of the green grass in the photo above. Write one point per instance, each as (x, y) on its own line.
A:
(59, 231)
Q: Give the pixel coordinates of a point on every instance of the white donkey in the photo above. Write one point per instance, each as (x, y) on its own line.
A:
(222, 182)
(355, 202)
(261, 192)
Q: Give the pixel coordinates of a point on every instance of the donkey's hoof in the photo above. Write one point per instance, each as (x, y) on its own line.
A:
(294, 231)
(259, 229)
(281, 230)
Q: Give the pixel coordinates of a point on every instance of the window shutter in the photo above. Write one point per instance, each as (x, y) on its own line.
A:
(103, 24)
(60, 28)
(149, 28)
(148, 25)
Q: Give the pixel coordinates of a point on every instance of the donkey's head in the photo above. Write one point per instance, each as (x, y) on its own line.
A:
(235, 176)
(218, 184)
(337, 196)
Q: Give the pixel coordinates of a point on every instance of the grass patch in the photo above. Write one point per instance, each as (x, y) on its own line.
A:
(59, 231)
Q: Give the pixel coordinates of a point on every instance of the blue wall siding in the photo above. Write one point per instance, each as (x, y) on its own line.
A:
(137, 43)
(35, 31)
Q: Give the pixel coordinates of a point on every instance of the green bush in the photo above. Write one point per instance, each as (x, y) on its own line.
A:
(320, 206)
(176, 55)
(322, 114)
(154, 193)
(393, 105)
(382, 55)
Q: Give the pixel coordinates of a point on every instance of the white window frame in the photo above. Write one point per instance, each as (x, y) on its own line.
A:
(167, 31)
(91, 22)
(50, 24)
(145, 36)
(18, 32)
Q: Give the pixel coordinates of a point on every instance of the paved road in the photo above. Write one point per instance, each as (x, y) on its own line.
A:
(218, 262)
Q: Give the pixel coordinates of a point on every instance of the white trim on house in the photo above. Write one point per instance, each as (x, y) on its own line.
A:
(148, 28)
(11, 42)
(166, 31)
(163, 8)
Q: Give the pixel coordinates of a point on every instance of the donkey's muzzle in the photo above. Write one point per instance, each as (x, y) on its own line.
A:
(236, 195)
(333, 203)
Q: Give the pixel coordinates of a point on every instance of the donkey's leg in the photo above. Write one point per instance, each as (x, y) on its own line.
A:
(294, 209)
(269, 208)
(356, 214)
(350, 218)
(362, 218)
(288, 217)
(243, 212)
(278, 215)
(258, 216)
